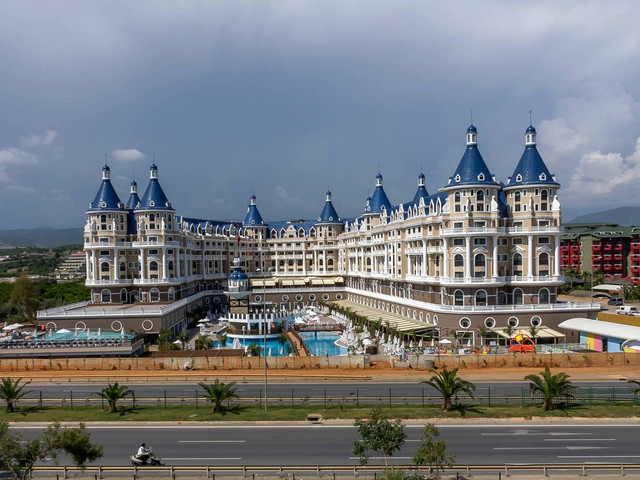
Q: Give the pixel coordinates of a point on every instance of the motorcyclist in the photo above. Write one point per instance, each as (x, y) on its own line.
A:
(143, 453)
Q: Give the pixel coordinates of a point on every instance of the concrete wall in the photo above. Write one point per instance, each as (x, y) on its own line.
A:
(463, 362)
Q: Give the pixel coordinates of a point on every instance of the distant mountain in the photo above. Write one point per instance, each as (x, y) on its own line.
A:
(44, 237)
(626, 216)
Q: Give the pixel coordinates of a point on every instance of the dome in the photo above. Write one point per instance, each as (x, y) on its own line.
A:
(472, 129)
(238, 275)
(531, 129)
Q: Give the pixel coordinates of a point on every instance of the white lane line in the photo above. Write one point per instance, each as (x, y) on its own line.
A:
(528, 433)
(568, 447)
(579, 439)
(193, 459)
(598, 456)
(212, 441)
(381, 458)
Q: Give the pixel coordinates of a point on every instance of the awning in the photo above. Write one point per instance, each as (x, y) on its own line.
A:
(287, 283)
(299, 283)
(329, 281)
(316, 281)
(339, 280)
(269, 283)
(600, 327)
(257, 283)
(607, 287)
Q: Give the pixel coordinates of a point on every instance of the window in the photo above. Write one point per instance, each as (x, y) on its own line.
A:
(458, 261)
(464, 322)
(105, 296)
(513, 321)
(458, 297)
(154, 295)
(480, 260)
(481, 298)
(543, 240)
(518, 297)
(535, 321)
(480, 241)
(489, 322)
(458, 242)
(518, 241)
(543, 296)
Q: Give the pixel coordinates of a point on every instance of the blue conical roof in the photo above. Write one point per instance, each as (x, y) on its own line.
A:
(531, 169)
(379, 198)
(134, 199)
(106, 198)
(154, 197)
(329, 214)
(421, 192)
(253, 217)
(472, 170)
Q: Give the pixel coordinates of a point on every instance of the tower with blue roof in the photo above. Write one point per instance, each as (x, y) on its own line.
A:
(329, 223)
(154, 211)
(378, 204)
(253, 224)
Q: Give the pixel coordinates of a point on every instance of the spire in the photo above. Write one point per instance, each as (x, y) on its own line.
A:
(472, 170)
(253, 217)
(421, 192)
(379, 198)
(154, 197)
(329, 214)
(106, 198)
(134, 199)
(531, 169)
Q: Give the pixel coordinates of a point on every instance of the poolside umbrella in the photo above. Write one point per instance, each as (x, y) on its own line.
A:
(13, 326)
(63, 330)
(99, 332)
(445, 341)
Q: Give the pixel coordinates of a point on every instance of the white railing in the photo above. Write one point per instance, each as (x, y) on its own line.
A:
(534, 278)
(471, 280)
(63, 308)
(463, 230)
(154, 243)
(535, 229)
(118, 281)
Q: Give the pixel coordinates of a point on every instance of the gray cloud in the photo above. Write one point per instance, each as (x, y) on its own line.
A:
(235, 97)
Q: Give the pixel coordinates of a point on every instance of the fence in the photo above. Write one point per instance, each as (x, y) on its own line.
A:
(293, 398)
(331, 471)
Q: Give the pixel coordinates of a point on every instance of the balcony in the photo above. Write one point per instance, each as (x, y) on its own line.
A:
(468, 230)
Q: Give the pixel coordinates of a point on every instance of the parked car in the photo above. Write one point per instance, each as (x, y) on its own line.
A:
(616, 301)
(627, 310)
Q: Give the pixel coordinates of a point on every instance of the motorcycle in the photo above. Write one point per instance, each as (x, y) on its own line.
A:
(147, 459)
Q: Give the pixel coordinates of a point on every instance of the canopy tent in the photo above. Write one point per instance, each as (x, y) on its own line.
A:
(402, 324)
(600, 327)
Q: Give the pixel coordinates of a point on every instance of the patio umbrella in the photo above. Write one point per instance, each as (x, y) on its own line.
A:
(13, 326)
(445, 341)
(63, 330)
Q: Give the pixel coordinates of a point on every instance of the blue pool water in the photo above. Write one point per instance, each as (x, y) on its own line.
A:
(272, 344)
(322, 343)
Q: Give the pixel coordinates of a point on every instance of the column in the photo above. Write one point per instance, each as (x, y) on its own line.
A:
(315, 261)
(530, 255)
(87, 266)
(467, 262)
(142, 264)
(495, 256)
(93, 264)
(445, 253)
(386, 259)
(556, 256)
(423, 270)
(324, 261)
(164, 263)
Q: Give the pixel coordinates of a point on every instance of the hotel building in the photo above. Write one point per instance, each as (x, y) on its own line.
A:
(478, 253)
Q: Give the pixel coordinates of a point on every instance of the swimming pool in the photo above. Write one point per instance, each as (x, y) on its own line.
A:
(272, 344)
(322, 343)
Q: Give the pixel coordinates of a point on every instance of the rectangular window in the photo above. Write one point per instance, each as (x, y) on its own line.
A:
(153, 239)
(153, 252)
(480, 241)
(458, 241)
(104, 253)
(518, 241)
(458, 224)
(543, 240)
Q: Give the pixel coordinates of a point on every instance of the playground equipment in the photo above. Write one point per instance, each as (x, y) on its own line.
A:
(522, 343)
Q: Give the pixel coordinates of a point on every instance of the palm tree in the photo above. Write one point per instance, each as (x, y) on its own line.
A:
(254, 349)
(550, 386)
(449, 384)
(222, 338)
(534, 330)
(183, 336)
(113, 393)
(218, 392)
(508, 330)
(202, 343)
(11, 392)
(482, 333)
(163, 338)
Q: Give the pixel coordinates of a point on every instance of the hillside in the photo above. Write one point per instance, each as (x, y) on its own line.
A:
(44, 237)
(627, 216)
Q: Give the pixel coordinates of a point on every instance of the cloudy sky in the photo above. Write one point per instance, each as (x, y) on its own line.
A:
(286, 98)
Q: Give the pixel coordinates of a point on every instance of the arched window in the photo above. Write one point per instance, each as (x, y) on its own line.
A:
(105, 296)
(458, 297)
(153, 266)
(544, 200)
(458, 261)
(481, 298)
(517, 264)
(502, 298)
(518, 297)
(154, 295)
(543, 296)
(171, 294)
(123, 295)
(104, 267)
(517, 198)
(456, 200)
(480, 201)
(480, 260)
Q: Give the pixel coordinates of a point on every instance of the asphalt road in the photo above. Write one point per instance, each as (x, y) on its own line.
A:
(400, 392)
(331, 444)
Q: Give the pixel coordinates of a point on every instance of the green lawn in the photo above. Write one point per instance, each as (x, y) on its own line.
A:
(284, 413)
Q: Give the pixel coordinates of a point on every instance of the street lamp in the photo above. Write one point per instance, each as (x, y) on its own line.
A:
(264, 333)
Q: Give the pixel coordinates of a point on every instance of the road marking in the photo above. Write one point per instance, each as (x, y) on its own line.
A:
(598, 456)
(579, 439)
(568, 447)
(529, 432)
(212, 441)
(381, 458)
(193, 459)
